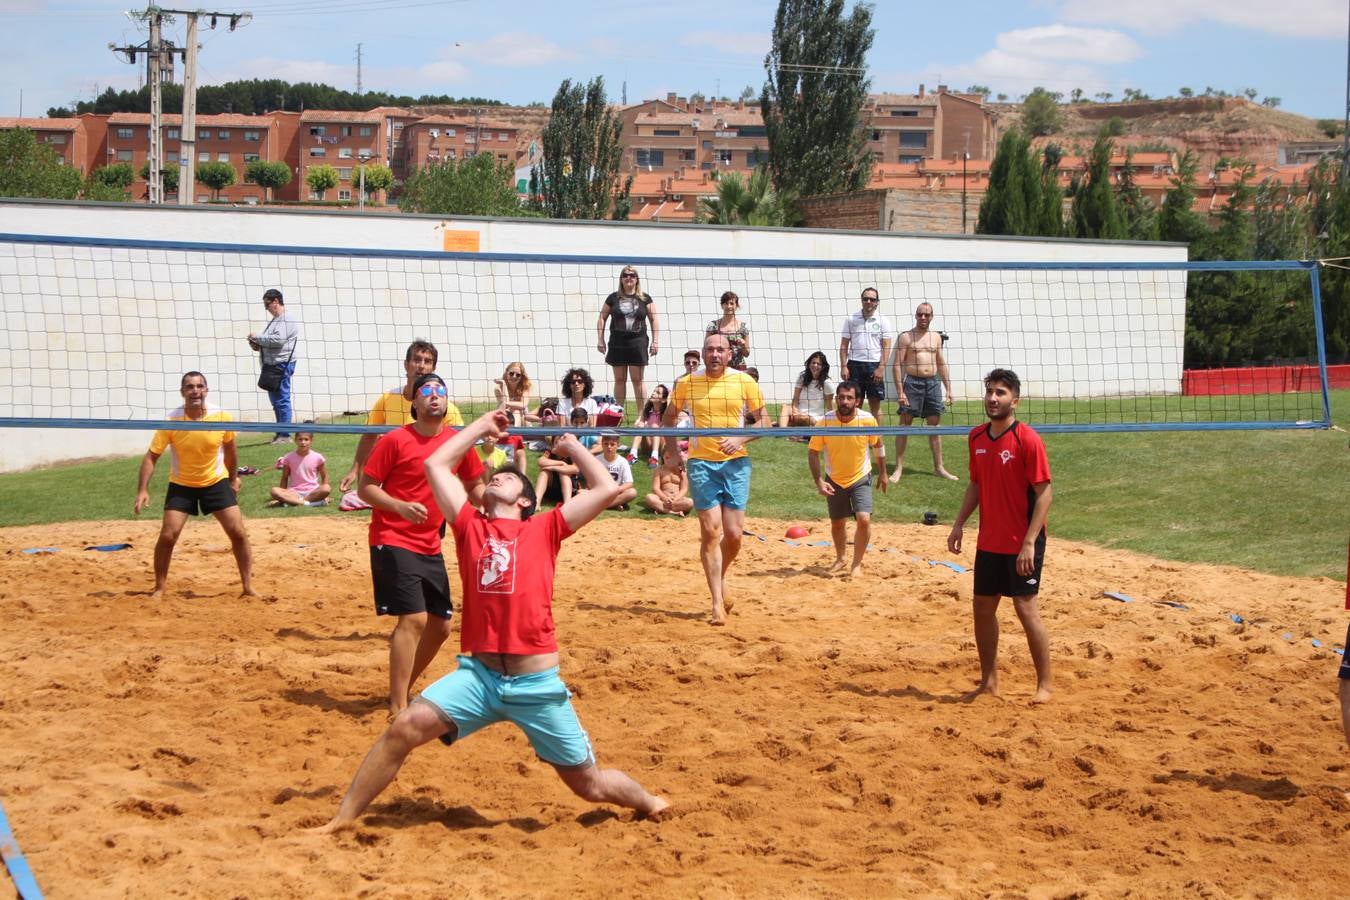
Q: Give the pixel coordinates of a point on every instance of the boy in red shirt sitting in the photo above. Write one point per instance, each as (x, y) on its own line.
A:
(508, 664)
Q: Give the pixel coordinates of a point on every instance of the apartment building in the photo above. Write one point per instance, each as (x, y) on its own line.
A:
(67, 138)
(436, 139)
(343, 140)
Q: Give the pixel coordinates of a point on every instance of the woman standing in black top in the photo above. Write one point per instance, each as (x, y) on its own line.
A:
(629, 310)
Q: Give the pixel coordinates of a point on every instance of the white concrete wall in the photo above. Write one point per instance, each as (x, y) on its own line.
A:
(106, 331)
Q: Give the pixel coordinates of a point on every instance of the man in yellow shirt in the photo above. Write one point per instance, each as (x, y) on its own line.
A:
(395, 407)
(847, 484)
(204, 479)
(719, 467)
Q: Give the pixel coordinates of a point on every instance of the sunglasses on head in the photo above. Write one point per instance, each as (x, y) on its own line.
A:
(428, 390)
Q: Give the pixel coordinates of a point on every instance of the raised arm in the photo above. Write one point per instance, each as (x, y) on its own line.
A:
(449, 491)
(601, 491)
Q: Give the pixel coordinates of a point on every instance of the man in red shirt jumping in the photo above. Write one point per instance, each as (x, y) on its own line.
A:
(508, 663)
(406, 565)
(1010, 483)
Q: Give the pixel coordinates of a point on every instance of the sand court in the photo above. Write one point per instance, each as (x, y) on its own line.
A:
(816, 746)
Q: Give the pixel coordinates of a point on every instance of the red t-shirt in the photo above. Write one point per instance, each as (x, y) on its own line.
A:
(396, 464)
(506, 571)
(1005, 469)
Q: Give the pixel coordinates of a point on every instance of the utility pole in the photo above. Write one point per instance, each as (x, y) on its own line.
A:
(358, 68)
(154, 195)
(187, 134)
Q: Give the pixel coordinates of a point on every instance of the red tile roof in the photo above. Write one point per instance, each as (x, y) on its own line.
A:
(223, 120)
(33, 124)
(331, 115)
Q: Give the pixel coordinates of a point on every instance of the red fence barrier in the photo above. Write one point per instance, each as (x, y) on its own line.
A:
(1264, 380)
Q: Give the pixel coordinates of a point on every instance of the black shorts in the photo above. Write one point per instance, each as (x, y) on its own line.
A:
(198, 501)
(1345, 661)
(996, 574)
(863, 372)
(407, 582)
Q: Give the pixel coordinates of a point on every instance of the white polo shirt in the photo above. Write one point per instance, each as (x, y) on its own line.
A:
(865, 336)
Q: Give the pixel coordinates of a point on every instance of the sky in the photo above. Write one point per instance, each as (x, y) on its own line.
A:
(518, 52)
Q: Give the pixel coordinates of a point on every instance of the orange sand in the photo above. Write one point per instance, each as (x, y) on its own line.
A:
(816, 746)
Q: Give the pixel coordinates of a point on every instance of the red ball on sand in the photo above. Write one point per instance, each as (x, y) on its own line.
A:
(797, 532)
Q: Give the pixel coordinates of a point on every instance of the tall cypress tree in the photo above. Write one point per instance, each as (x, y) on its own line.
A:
(815, 87)
(1012, 204)
(580, 174)
(1136, 210)
(1095, 212)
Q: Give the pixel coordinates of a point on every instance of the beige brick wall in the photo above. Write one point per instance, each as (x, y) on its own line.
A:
(927, 212)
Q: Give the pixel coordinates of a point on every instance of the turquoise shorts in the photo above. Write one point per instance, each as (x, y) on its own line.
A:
(720, 483)
(474, 696)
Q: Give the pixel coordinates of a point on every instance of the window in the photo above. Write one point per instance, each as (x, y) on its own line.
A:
(502, 157)
(687, 156)
(345, 173)
(722, 157)
(56, 138)
(223, 135)
(652, 158)
(366, 152)
(470, 138)
(365, 131)
(876, 134)
(756, 157)
(222, 157)
(450, 154)
(666, 132)
(450, 132)
(124, 156)
(914, 140)
(345, 130)
(344, 153)
(252, 136)
(317, 152)
(707, 145)
(911, 159)
(751, 131)
(344, 195)
(706, 165)
(172, 134)
(503, 136)
(203, 134)
(204, 156)
(468, 154)
(314, 195)
(316, 130)
(124, 134)
(250, 157)
(907, 113)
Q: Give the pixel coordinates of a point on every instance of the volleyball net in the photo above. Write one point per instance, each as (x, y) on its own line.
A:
(98, 332)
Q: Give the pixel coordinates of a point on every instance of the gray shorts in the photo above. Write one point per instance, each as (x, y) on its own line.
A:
(923, 397)
(849, 501)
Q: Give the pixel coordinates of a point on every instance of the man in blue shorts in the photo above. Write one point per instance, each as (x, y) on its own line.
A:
(508, 663)
(865, 341)
(1010, 483)
(719, 467)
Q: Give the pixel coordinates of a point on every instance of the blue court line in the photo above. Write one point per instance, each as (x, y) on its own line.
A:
(15, 863)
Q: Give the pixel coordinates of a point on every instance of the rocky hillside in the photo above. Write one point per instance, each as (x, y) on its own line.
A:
(1212, 127)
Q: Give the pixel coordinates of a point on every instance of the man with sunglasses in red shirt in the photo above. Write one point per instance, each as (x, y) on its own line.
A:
(406, 527)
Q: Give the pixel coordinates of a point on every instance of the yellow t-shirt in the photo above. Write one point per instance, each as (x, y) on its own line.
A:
(197, 458)
(716, 403)
(391, 409)
(846, 458)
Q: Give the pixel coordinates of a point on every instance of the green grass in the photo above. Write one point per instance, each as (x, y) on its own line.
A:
(1274, 501)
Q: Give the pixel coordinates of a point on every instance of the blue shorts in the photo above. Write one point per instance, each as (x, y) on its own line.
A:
(474, 696)
(720, 483)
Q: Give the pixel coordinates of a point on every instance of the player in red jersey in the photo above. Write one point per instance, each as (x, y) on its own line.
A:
(508, 664)
(1010, 483)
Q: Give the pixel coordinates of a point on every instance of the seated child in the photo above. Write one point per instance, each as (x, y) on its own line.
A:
(670, 491)
(557, 478)
(619, 470)
(304, 476)
(651, 417)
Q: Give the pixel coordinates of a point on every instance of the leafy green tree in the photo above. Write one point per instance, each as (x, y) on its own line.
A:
(118, 175)
(1040, 113)
(579, 177)
(814, 89)
(1331, 127)
(742, 202)
(93, 189)
(1049, 220)
(747, 94)
(1329, 216)
(1177, 221)
(1104, 96)
(378, 177)
(30, 169)
(1186, 92)
(1012, 205)
(268, 175)
(1271, 102)
(322, 179)
(1136, 210)
(168, 176)
(478, 186)
(1095, 212)
(216, 175)
(982, 89)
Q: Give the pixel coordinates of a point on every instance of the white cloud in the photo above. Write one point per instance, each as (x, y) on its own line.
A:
(287, 69)
(1290, 18)
(1065, 42)
(515, 49)
(440, 70)
(736, 43)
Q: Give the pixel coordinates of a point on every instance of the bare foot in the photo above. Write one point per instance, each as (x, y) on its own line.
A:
(989, 690)
(272, 504)
(653, 813)
(157, 594)
(728, 604)
(719, 615)
(330, 827)
(895, 476)
(248, 592)
(1042, 696)
(856, 571)
(943, 473)
(839, 566)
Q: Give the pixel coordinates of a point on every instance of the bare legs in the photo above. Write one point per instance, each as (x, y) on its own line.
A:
(622, 375)
(414, 643)
(862, 536)
(986, 643)
(720, 531)
(419, 724)
(286, 497)
(934, 444)
(231, 520)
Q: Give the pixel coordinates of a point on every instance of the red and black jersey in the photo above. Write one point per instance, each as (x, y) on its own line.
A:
(1006, 468)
